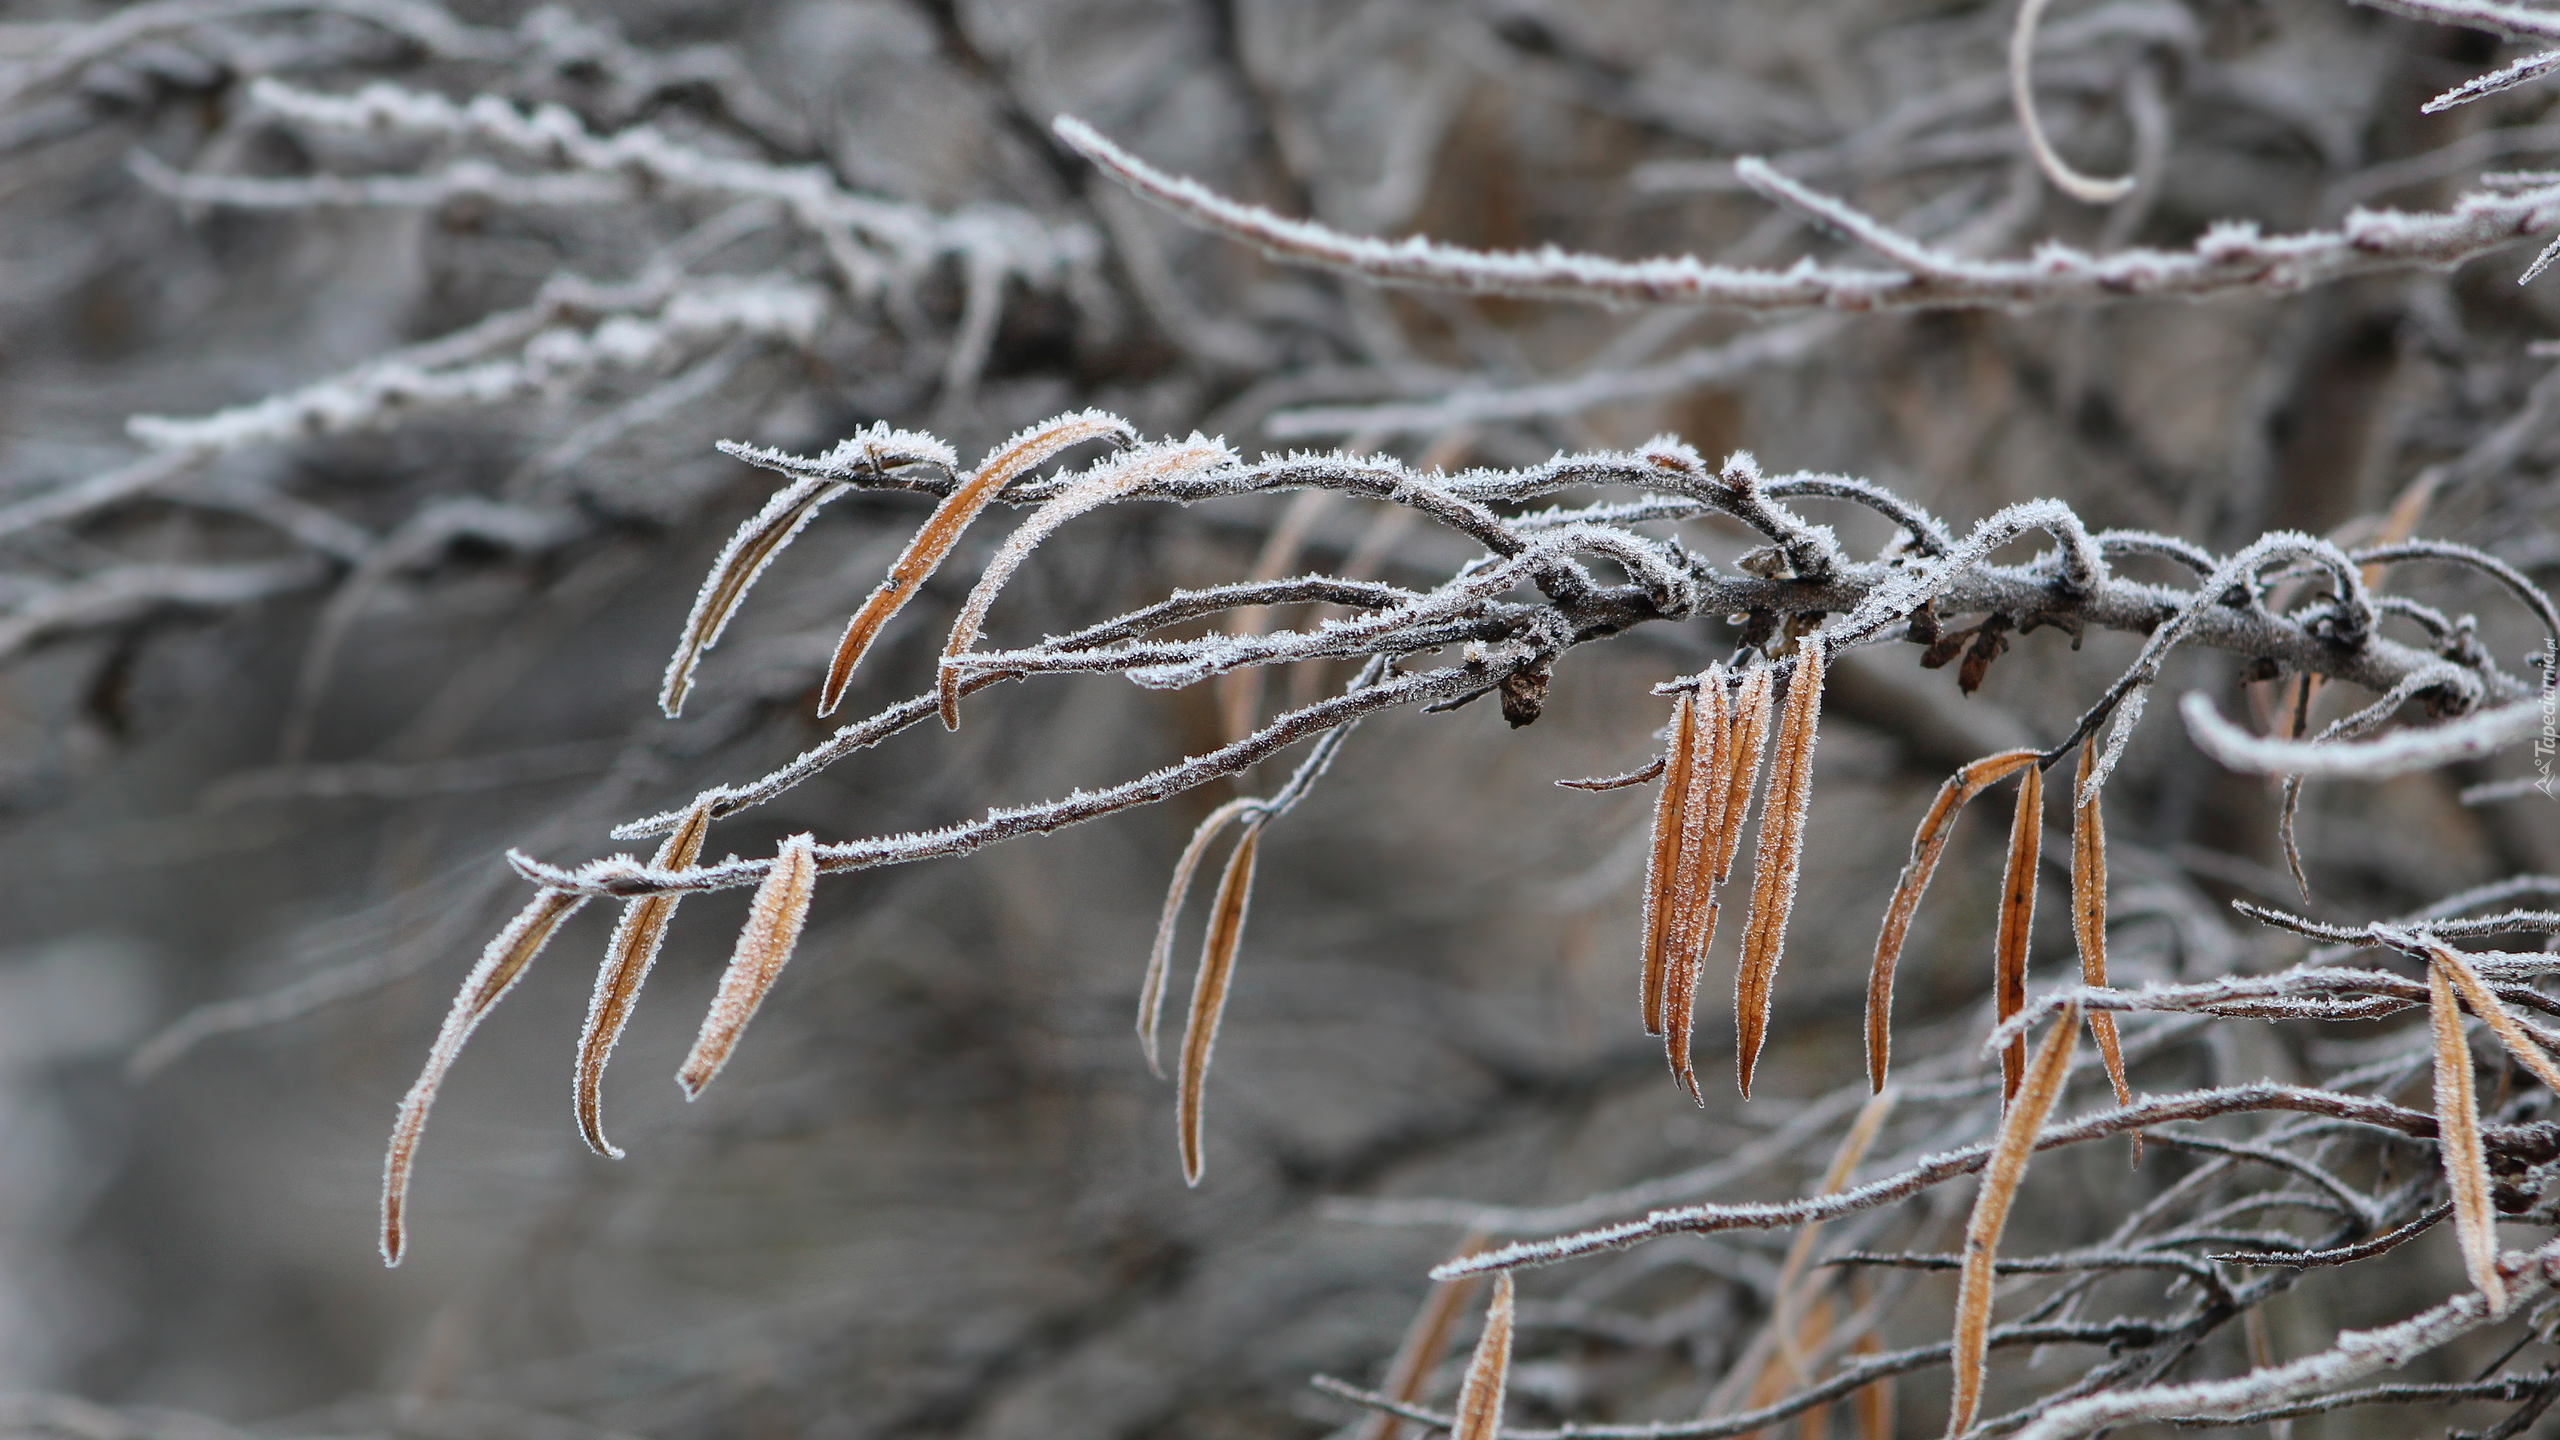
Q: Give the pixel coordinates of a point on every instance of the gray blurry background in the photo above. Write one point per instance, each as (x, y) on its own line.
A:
(936, 1192)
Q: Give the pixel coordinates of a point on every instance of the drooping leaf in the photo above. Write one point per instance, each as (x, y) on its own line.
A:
(772, 932)
(2017, 921)
(1488, 1370)
(501, 965)
(633, 949)
(2001, 1176)
(1773, 874)
(1927, 846)
(1693, 923)
(1209, 992)
(1662, 869)
(1160, 958)
(942, 530)
(2089, 921)
(2466, 1165)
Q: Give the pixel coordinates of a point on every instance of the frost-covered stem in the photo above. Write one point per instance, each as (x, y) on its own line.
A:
(2229, 257)
(2356, 1354)
(623, 876)
(1937, 1169)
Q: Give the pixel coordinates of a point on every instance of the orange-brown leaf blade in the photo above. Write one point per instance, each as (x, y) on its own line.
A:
(2089, 918)
(1096, 487)
(1927, 845)
(1750, 714)
(1773, 873)
(2466, 1166)
(2485, 1003)
(2001, 1176)
(1693, 922)
(2017, 921)
(942, 530)
(1209, 993)
(1160, 958)
(500, 967)
(1875, 1401)
(1662, 869)
(1488, 1370)
(1418, 1354)
(772, 932)
(749, 551)
(627, 958)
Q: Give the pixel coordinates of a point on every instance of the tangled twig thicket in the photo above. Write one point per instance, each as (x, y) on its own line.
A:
(2285, 1176)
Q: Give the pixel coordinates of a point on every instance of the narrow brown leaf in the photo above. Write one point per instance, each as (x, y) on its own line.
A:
(2007, 1168)
(1662, 870)
(1425, 1340)
(2466, 1168)
(500, 967)
(2017, 921)
(627, 959)
(1928, 844)
(942, 530)
(1773, 872)
(1480, 1396)
(2485, 1003)
(1693, 921)
(1209, 992)
(734, 573)
(1098, 486)
(1751, 702)
(772, 931)
(1160, 958)
(2089, 918)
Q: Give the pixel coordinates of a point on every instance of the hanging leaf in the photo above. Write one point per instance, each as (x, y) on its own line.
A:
(1209, 992)
(2089, 920)
(2466, 1166)
(1773, 875)
(2017, 922)
(627, 958)
(501, 965)
(1693, 924)
(1927, 846)
(1160, 958)
(1662, 870)
(2485, 1003)
(1488, 1370)
(772, 932)
(2001, 1176)
(942, 530)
